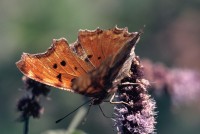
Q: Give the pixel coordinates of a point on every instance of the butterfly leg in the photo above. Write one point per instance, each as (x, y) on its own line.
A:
(143, 83)
(103, 112)
(118, 102)
(129, 83)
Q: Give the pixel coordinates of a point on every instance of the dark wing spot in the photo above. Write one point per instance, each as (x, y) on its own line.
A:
(86, 60)
(59, 77)
(75, 68)
(99, 57)
(89, 56)
(55, 66)
(63, 63)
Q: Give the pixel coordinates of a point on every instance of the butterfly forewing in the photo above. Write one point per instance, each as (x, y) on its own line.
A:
(100, 44)
(116, 40)
(89, 40)
(97, 82)
(57, 67)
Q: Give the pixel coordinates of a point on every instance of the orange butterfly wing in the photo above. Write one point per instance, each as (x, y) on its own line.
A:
(90, 57)
(57, 67)
(101, 81)
(100, 44)
(94, 84)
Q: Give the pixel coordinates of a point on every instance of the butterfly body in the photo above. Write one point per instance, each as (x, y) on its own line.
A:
(92, 66)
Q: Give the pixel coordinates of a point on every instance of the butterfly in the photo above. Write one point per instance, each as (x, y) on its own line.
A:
(91, 66)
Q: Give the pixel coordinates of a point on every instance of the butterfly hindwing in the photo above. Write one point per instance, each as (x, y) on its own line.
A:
(94, 83)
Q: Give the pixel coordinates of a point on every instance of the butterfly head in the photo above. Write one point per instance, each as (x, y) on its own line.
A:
(98, 100)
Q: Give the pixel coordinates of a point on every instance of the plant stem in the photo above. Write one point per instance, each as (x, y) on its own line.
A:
(26, 125)
(77, 119)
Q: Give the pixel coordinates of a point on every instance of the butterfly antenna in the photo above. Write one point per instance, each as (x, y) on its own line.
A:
(141, 31)
(73, 111)
(104, 113)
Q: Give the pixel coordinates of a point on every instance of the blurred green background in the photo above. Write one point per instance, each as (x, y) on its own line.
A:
(172, 36)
